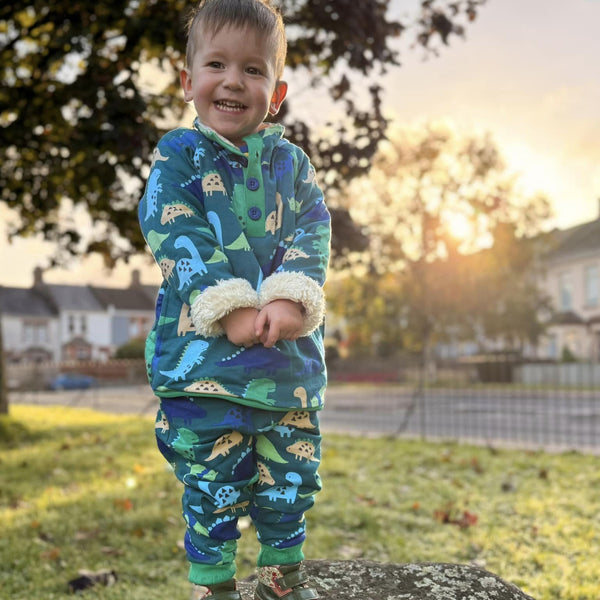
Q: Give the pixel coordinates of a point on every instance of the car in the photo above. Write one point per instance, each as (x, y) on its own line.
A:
(72, 381)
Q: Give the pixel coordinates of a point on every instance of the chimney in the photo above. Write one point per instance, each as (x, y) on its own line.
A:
(135, 279)
(38, 277)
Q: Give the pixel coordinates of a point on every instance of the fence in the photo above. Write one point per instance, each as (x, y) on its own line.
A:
(495, 402)
(549, 406)
(38, 376)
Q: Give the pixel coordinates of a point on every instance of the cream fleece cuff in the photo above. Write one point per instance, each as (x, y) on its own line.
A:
(291, 285)
(219, 300)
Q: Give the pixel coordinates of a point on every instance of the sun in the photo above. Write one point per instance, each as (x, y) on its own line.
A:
(459, 226)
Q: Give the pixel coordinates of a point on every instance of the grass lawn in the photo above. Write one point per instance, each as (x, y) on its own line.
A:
(86, 490)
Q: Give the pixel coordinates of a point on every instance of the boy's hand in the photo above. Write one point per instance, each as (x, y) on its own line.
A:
(239, 326)
(279, 320)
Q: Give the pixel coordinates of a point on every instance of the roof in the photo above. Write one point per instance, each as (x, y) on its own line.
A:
(567, 318)
(72, 297)
(132, 298)
(580, 239)
(24, 302)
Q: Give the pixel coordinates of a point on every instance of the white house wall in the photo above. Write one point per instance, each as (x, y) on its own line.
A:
(16, 340)
(96, 331)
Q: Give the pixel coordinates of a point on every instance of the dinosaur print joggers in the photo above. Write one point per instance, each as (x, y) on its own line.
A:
(236, 460)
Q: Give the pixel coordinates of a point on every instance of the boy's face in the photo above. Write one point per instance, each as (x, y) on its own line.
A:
(232, 81)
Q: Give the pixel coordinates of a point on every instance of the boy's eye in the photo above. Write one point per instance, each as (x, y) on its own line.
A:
(253, 71)
(215, 64)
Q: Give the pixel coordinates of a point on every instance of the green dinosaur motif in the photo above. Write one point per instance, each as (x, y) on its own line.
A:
(217, 257)
(184, 442)
(266, 449)
(259, 389)
(155, 240)
(241, 243)
(196, 469)
(166, 320)
(295, 206)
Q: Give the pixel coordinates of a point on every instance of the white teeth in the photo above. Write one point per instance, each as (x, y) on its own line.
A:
(231, 106)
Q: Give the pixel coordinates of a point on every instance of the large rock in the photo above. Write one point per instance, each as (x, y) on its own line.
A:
(365, 580)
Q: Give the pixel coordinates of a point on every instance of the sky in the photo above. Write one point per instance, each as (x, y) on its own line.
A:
(528, 73)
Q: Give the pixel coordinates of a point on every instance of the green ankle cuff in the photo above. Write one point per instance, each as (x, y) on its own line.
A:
(210, 574)
(274, 556)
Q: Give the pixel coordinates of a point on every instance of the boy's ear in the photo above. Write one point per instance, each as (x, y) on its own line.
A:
(278, 97)
(186, 83)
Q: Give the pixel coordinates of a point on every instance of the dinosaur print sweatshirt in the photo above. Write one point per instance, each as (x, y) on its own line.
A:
(229, 228)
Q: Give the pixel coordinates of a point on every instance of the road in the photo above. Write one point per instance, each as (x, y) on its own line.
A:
(548, 419)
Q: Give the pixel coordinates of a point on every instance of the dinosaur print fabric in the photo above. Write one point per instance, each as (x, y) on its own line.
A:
(235, 461)
(227, 226)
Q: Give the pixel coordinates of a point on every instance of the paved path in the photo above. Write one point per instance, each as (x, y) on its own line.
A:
(549, 419)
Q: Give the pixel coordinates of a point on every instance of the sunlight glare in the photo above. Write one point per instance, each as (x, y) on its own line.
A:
(459, 226)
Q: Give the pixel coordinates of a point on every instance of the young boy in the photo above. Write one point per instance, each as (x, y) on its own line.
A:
(241, 233)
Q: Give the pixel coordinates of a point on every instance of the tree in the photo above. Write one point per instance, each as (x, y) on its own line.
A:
(79, 118)
(446, 222)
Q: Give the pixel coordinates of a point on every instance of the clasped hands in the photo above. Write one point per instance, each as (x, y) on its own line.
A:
(279, 320)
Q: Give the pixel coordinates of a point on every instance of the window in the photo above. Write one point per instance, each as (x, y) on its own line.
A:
(565, 291)
(35, 333)
(592, 285)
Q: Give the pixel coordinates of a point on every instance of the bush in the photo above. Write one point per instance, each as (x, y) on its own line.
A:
(131, 349)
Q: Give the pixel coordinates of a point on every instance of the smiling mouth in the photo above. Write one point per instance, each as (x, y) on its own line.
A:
(229, 106)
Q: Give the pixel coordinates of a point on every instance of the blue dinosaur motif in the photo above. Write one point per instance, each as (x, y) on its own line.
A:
(257, 357)
(318, 213)
(244, 467)
(284, 430)
(236, 417)
(214, 220)
(284, 492)
(224, 528)
(194, 186)
(292, 540)
(154, 188)
(299, 233)
(283, 166)
(194, 552)
(187, 267)
(276, 260)
(199, 153)
(193, 354)
(310, 366)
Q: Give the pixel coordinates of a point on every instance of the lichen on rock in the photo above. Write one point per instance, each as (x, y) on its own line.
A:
(366, 580)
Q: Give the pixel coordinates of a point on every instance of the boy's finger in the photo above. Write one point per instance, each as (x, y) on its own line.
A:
(260, 324)
(272, 337)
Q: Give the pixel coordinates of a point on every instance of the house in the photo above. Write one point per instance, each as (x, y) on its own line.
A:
(29, 326)
(572, 281)
(70, 322)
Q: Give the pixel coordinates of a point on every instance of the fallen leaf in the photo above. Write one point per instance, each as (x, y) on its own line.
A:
(124, 504)
(109, 551)
(52, 554)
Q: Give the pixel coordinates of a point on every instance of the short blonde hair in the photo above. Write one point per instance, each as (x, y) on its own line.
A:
(260, 15)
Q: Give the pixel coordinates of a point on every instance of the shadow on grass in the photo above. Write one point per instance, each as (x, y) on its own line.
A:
(14, 433)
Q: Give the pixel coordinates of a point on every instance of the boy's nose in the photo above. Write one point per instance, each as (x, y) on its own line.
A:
(233, 79)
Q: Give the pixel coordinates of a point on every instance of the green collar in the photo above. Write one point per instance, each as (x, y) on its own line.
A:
(271, 131)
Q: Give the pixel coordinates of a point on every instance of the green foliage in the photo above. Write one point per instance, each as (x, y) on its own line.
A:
(132, 349)
(89, 87)
(450, 251)
(567, 355)
(86, 490)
